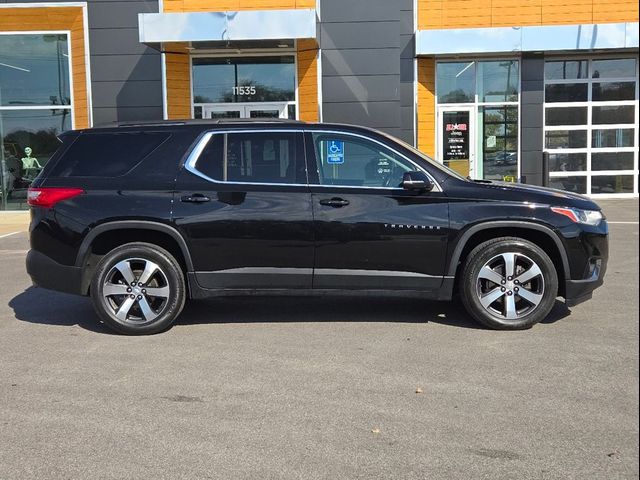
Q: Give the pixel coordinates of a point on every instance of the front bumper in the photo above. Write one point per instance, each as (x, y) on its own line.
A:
(48, 273)
(578, 291)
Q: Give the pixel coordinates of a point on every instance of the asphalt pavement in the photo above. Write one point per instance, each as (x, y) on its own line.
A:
(320, 388)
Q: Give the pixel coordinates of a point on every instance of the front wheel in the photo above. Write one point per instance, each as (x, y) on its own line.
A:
(138, 289)
(509, 284)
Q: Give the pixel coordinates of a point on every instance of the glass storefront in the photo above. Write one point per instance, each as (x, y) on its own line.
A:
(35, 107)
(244, 87)
(591, 124)
(485, 95)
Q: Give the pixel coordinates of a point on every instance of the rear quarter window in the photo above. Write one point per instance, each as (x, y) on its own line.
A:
(107, 154)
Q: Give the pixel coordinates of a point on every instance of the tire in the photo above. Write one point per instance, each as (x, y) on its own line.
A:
(124, 284)
(508, 302)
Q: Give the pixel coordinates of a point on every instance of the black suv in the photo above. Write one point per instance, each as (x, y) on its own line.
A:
(142, 217)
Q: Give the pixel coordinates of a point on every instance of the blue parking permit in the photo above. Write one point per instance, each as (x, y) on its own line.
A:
(335, 152)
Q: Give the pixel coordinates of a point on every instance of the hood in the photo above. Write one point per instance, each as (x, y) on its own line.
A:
(485, 189)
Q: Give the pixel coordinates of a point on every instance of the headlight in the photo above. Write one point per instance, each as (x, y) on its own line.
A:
(588, 217)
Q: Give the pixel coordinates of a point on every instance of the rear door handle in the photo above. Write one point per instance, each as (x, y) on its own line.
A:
(195, 198)
(334, 202)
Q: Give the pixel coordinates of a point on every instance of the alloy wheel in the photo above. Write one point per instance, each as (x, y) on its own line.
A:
(136, 291)
(510, 286)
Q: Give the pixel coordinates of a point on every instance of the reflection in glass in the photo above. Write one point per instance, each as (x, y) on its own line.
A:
(612, 161)
(566, 92)
(499, 127)
(613, 114)
(614, 68)
(264, 114)
(498, 81)
(243, 79)
(615, 137)
(34, 70)
(566, 139)
(612, 184)
(456, 82)
(564, 70)
(223, 114)
(612, 91)
(570, 184)
(28, 139)
(566, 116)
(567, 162)
(357, 162)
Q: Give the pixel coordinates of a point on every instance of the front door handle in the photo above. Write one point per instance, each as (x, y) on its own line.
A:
(334, 202)
(195, 198)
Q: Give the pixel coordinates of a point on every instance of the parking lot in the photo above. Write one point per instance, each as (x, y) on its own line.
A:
(306, 388)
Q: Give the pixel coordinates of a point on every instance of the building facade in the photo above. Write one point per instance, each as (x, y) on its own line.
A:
(491, 88)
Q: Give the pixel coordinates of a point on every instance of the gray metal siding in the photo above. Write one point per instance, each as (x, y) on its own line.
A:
(126, 78)
(531, 128)
(361, 44)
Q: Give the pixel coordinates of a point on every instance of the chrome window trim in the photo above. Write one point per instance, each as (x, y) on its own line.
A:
(192, 160)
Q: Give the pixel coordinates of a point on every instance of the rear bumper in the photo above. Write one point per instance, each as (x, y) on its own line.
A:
(48, 273)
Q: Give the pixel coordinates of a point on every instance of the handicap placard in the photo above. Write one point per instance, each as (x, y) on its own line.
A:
(335, 152)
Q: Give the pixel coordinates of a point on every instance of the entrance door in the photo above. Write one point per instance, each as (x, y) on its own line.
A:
(245, 110)
(456, 139)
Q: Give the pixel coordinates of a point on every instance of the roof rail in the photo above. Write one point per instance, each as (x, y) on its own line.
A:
(201, 121)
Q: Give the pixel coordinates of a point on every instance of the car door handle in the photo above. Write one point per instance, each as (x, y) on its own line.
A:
(334, 202)
(195, 198)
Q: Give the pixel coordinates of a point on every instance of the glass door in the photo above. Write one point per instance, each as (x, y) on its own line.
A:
(219, 112)
(247, 110)
(456, 145)
(266, 110)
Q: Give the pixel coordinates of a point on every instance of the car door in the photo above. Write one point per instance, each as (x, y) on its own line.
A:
(244, 207)
(370, 232)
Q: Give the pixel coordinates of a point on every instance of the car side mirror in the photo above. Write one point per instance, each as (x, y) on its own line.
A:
(417, 181)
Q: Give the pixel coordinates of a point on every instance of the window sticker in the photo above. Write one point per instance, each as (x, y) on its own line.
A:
(335, 152)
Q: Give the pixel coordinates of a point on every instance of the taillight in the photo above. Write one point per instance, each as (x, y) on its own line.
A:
(48, 197)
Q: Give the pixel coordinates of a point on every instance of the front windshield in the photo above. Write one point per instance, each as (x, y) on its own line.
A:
(425, 157)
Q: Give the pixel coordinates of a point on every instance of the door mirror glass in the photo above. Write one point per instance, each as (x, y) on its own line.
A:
(417, 181)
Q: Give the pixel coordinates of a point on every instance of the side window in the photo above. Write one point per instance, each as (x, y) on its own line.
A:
(107, 154)
(261, 157)
(356, 162)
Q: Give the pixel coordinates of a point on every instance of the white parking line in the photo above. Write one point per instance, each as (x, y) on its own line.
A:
(8, 234)
(622, 223)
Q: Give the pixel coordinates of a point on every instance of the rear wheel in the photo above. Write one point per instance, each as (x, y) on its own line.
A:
(509, 284)
(138, 289)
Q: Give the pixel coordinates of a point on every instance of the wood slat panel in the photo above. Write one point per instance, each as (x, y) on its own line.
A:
(308, 80)
(178, 86)
(437, 14)
(426, 105)
(52, 19)
(180, 6)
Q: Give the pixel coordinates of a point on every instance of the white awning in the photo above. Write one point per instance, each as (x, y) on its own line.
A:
(157, 28)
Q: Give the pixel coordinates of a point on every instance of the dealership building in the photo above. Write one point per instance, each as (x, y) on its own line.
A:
(495, 89)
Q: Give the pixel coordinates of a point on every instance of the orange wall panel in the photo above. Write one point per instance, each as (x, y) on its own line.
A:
(57, 19)
(308, 80)
(178, 74)
(439, 14)
(180, 6)
(426, 104)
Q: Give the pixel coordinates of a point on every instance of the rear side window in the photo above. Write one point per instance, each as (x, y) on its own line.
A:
(261, 157)
(107, 154)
